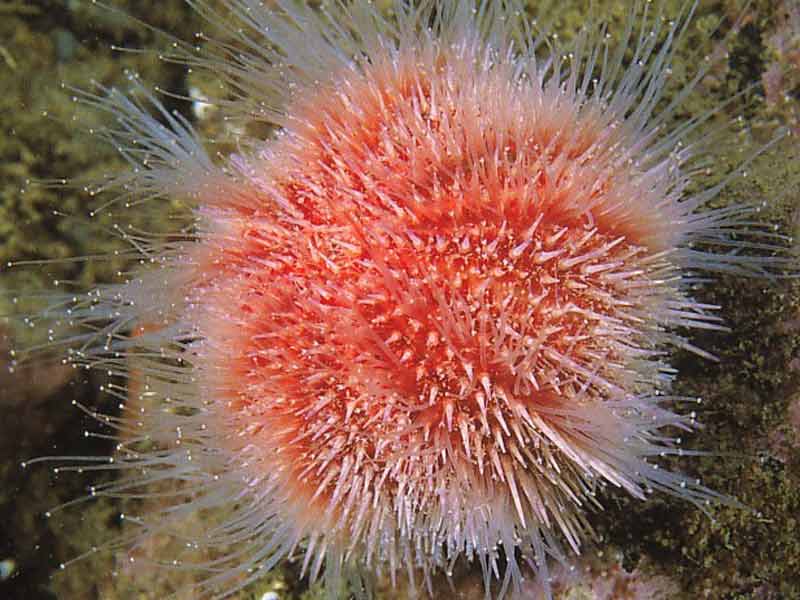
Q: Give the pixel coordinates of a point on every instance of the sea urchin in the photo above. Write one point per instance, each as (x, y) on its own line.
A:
(432, 315)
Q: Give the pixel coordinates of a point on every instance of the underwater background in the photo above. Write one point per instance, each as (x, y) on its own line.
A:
(751, 397)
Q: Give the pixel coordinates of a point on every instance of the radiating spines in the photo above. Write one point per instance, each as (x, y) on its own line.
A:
(636, 150)
(494, 424)
(431, 316)
(162, 149)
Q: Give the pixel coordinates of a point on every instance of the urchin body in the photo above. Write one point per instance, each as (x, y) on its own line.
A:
(434, 313)
(437, 299)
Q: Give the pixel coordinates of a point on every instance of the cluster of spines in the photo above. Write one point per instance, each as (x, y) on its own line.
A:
(168, 160)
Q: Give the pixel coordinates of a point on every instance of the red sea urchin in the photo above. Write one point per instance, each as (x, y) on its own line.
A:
(431, 315)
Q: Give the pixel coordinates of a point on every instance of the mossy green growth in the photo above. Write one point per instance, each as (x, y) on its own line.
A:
(746, 396)
(48, 153)
(736, 550)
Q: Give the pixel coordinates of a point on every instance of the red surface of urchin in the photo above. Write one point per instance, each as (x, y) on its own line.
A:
(425, 311)
(432, 315)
